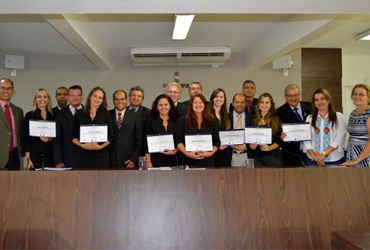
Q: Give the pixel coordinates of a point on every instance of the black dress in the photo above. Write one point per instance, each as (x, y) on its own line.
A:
(182, 129)
(41, 153)
(155, 126)
(223, 157)
(92, 158)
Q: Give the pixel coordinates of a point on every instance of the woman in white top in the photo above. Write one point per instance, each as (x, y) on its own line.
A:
(328, 130)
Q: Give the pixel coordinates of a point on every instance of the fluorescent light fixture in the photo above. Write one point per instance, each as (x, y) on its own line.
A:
(363, 36)
(182, 26)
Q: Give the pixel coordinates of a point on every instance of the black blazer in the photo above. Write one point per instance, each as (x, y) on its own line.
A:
(33, 144)
(144, 114)
(64, 150)
(182, 109)
(127, 142)
(287, 115)
(253, 107)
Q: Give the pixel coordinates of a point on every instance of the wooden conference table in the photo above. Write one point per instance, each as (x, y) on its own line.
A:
(212, 208)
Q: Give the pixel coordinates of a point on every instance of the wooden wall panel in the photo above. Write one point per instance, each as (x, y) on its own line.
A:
(215, 208)
(322, 68)
(321, 62)
(310, 84)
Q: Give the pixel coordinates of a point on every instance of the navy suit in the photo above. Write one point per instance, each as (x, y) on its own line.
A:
(127, 141)
(287, 115)
(144, 114)
(64, 150)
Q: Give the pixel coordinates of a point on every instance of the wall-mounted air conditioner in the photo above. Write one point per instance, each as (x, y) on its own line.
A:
(166, 56)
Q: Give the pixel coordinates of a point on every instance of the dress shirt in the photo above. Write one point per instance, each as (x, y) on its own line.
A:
(122, 112)
(73, 110)
(337, 138)
(2, 103)
(299, 111)
(235, 120)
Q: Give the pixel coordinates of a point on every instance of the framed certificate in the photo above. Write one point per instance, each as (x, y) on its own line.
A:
(297, 131)
(198, 142)
(258, 134)
(232, 137)
(42, 128)
(93, 133)
(160, 142)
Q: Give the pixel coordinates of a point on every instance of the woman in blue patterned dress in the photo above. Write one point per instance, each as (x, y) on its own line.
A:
(328, 132)
(358, 152)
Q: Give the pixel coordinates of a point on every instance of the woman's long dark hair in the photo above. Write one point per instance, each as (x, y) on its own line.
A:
(225, 119)
(331, 109)
(191, 117)
(173, 113)
(271, 119)
(102, 106)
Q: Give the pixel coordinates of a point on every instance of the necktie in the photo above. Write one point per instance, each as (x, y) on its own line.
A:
(119, 121)
(133, 109)
(9, 118)
(239, 122)
(249, 105)
(297, 115)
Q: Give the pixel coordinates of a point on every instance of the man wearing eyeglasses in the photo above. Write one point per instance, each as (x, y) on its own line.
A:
(173, 90)
(61, 95)
(64, 150)
(293, 111)
(11, 124)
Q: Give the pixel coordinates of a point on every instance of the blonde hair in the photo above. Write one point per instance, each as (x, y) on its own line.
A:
(366, 87)
(49, 106)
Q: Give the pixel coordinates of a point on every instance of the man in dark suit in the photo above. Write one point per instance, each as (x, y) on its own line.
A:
(293, 111)
(239, 118)
(173, 90)
(136, 97)
(128, 133)
(64, 150)
(11, 125)
(61, 95)
(249, 90)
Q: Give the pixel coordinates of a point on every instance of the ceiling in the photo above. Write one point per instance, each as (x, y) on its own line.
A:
(263, 31)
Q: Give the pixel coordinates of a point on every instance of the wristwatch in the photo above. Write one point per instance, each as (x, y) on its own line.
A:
(325, 153)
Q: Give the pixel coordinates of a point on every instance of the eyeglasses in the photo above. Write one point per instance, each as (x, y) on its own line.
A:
(172, 92)
(6, 88)
(292, 96)
(359, 94)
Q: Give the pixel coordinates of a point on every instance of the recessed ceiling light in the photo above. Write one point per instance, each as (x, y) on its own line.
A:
(182, 26)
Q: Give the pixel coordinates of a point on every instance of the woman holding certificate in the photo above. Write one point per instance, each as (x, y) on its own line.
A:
(161, 122)
(197, 133)
(217, 105)
(328, 131)
(268, 155)
(92, 130)
(358, 151)
(37, 147)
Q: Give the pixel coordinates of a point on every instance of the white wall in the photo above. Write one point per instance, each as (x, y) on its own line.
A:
(51, 71)
(356, 69)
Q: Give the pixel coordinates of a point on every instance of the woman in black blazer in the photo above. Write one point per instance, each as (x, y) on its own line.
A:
(162, 120)
(39, 149)
(93, 154)
(197, 120)
(217, 105)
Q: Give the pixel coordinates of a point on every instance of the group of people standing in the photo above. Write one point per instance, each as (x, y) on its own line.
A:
(129, 125)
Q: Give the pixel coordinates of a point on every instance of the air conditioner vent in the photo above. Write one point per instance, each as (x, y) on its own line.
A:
(214, 56)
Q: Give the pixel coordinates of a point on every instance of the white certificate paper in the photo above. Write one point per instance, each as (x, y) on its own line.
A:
(297, 131)
(198, 142)
(160, 142)
(93, 133)
(259, 135)
(42, 128)
(232, 137)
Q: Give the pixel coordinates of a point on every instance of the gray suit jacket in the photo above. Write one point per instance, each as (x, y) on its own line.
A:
(5, 133)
